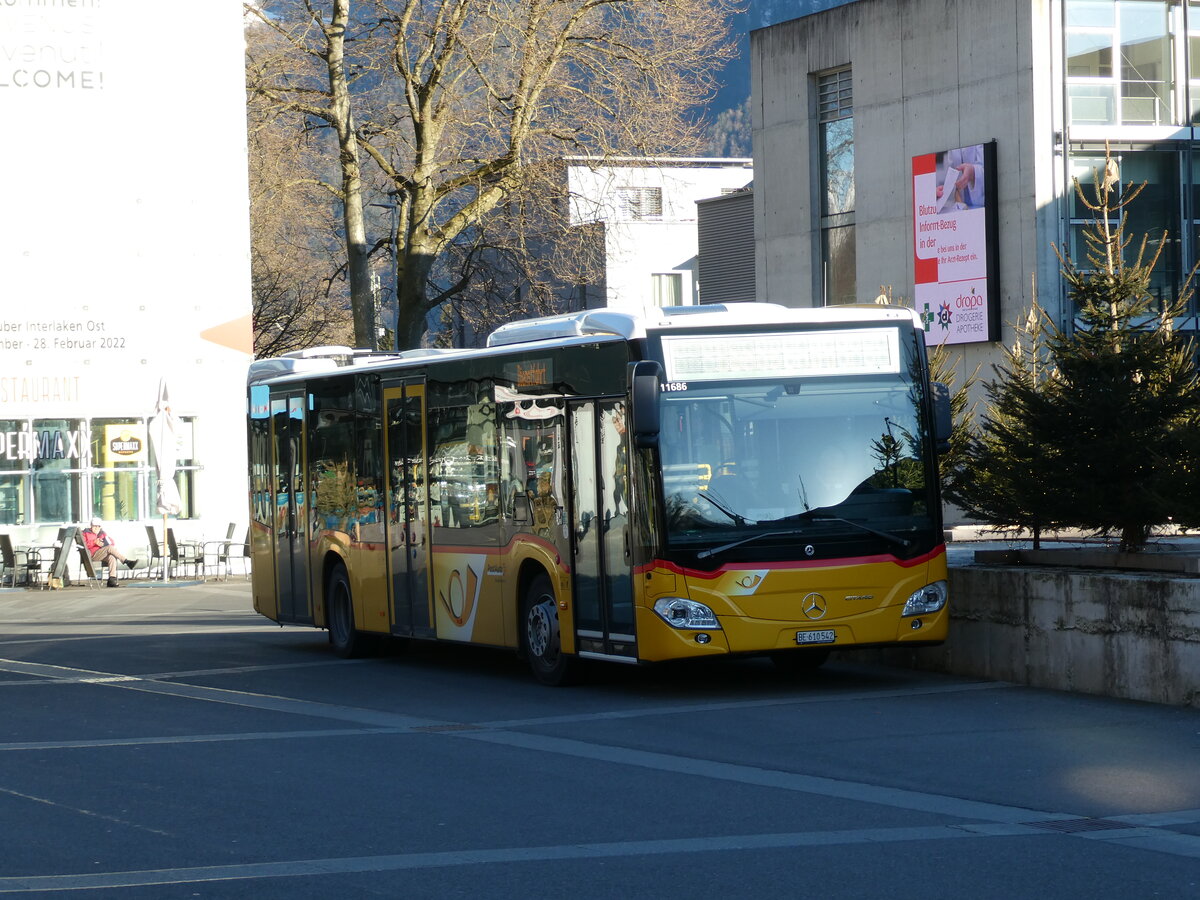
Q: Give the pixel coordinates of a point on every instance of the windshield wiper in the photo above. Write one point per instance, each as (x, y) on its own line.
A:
(902, 542)
(713, 551)
(737, 520)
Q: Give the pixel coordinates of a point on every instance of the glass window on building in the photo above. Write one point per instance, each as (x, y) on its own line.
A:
(839, 257)
(185, 471)
(667, 288)
(835, 114)
(1192, 11)
(1119, 61)
(119, 448)
(640, 204)
(1192, 215)
(58, 471)
(14, 472)
(1155, 214)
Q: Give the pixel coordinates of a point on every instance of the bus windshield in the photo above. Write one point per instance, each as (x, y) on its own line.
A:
(838, 464)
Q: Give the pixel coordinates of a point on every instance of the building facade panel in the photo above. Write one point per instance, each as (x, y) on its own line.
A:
(725, 240)
(648, 212)
(124, 263)
(927, 77)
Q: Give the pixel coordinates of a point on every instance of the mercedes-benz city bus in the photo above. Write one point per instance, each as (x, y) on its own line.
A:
(693, 482)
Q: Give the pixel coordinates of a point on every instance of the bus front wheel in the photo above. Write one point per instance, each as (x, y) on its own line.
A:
(343, 636)
(540, 636)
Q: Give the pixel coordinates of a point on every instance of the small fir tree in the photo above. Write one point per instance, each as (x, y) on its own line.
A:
(1126, 399)
(942, 368)
(1005, 473)
(1098, 428)
(962, 411)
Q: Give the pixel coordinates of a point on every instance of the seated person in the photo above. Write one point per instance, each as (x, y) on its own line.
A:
(102, 549)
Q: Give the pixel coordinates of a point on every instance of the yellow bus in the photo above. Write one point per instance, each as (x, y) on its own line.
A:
(693, 482)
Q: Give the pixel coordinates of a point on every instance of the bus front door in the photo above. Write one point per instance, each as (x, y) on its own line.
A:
(291, 509)
(603, 581)
(407, 516)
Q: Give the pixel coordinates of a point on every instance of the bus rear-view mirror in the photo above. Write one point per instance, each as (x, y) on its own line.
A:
(943, 419)
(645, 381)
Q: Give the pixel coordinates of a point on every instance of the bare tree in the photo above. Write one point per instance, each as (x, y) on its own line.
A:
(297, 255)
(462, 105)
(302, 72)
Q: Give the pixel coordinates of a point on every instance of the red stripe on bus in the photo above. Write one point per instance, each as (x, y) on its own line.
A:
(843, 562)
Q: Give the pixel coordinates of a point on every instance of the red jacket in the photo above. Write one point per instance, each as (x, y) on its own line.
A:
(95, 541)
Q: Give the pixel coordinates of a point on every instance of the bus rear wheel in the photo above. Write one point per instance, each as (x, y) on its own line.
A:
(343, 636)
(540, 638)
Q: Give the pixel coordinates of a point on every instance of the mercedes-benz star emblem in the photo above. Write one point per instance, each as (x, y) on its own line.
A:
(814, 606)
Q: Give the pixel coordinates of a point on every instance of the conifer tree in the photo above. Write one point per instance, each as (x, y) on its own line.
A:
(1096, 428)
(962, 411)
(1126, 398)
(1006, 474)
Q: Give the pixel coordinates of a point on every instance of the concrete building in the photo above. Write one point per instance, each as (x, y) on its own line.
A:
(124, 262)
(860, 107)
(647, 210)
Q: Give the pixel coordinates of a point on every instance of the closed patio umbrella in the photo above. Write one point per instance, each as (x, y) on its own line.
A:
(163, 427)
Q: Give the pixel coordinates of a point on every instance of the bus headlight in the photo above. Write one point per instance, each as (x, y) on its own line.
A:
(928, 599)
(680, 613)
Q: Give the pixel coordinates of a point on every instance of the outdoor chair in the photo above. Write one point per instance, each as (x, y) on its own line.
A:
(184, 554)
(16, 566)
(240, 551)
(216, 554)
(156, 560)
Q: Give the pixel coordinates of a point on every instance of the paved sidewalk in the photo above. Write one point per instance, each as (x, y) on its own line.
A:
(138, 586)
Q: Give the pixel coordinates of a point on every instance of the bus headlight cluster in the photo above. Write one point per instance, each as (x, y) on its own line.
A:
(680, 613)
(928, 599)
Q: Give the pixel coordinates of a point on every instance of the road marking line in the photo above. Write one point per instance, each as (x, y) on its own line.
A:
(992, 815)
(771, 778)
(1186, 845)
(688, 708)
(198, 739)
(468, 857)
(83, 812)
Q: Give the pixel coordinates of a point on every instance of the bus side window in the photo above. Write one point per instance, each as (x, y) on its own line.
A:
(531, 464)
(464, 464)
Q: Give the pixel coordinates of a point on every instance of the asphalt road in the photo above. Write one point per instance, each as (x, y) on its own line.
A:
(168, 742)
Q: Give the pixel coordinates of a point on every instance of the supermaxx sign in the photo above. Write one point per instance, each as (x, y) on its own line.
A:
(50, 444)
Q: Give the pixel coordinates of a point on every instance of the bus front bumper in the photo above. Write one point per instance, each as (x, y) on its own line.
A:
(658, 641)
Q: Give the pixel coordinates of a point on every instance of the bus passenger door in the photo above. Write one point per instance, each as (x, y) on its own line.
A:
(291, 508)
(603, 581)
(407, 516)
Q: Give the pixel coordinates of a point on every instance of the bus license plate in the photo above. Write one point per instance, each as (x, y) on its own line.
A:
(815, 637)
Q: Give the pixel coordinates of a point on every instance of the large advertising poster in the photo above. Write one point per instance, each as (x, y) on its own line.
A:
(124, 247)
(954, 244)
(124, 224)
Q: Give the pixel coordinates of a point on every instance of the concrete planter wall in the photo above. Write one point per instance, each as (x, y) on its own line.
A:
(1129, 635)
